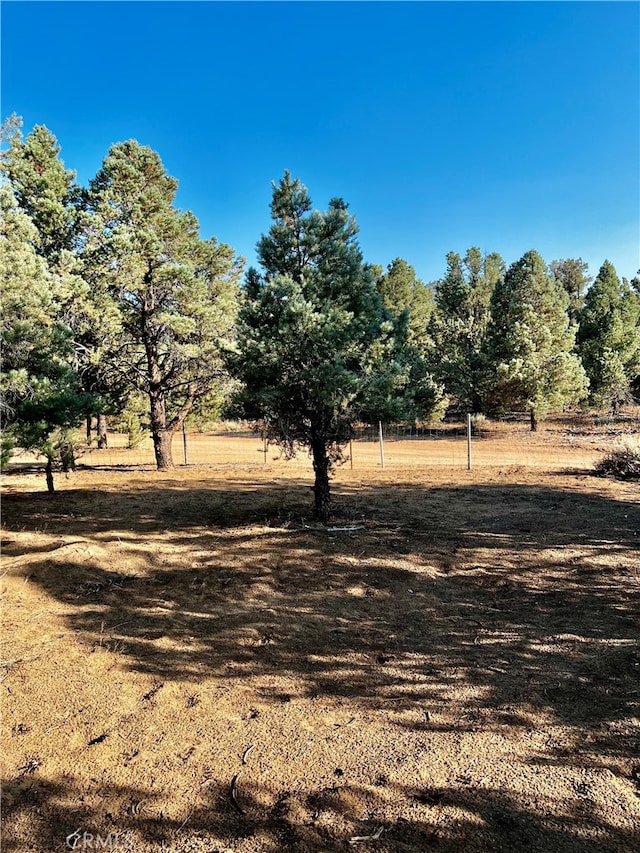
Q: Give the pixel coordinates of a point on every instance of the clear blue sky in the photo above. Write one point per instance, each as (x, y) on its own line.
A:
(444, 125)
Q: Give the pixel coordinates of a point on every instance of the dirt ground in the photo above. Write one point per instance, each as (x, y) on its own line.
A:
(190, 663)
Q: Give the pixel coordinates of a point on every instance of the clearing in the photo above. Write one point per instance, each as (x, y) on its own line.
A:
(191, 664)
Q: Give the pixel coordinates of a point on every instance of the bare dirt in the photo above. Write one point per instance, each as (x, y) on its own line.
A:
(191, 664)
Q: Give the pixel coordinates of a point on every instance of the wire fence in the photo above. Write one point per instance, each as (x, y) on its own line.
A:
(402, 448)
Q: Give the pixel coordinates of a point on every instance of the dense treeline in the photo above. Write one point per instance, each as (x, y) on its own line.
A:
(115, 306)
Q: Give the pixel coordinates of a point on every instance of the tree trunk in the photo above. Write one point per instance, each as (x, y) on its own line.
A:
(162, 436)
(162, 448)
(102, 431)
(321, 487)
(89, 421)
(48, 473)
(534, 421)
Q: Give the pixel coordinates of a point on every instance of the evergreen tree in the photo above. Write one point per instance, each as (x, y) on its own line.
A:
(41, 396)
(316, 347)
(634, 287)
(609, 338)
(572, 274)
(175, 294)
(529, 343)
(460, 322)
(402, 290)
(44, 189)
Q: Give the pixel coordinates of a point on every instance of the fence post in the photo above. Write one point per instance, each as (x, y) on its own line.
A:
(351, 452)
(381, 442)
(468, 442)
(184, 443)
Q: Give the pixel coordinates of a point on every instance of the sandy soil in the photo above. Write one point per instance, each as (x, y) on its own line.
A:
(191, 664)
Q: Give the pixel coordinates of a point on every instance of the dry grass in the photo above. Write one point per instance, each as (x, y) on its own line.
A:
(191, 662)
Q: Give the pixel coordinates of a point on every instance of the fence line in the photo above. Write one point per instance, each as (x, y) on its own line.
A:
(448, 449)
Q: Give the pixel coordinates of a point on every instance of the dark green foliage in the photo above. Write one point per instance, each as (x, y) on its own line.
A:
(529, 343)
(316, 347)
(572, 274)
(41, 395)
(402, 290)
(44, 189)
(460, 321)
(172, 296)
(46, 192)
(111, 293)
(609, 338)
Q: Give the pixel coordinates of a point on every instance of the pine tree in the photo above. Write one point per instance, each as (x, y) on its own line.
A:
(47, 193)
(572, 274)
(529, 345)
(316, 347)
(633, 288)
(460, 320)
(402, 290)
(609, 338)
(41, 396)
(44, 189)
(176, 294)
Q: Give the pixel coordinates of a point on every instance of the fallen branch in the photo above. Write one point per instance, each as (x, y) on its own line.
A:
(376, 835)
(345, 529)
(13, 661)
(233, 792)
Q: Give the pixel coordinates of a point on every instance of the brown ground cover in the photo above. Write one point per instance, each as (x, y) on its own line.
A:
(451, 665)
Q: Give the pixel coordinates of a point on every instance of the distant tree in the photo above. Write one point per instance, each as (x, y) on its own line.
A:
(572, 274)
(634, 285)
(460, 320)
(609, 338)
(402, 290)
(529, 345)
(175, 294)
(316, 347)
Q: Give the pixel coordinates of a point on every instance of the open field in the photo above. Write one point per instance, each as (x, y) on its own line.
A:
(453, 664)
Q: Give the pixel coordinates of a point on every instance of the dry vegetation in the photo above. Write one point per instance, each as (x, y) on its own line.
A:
(452, 665)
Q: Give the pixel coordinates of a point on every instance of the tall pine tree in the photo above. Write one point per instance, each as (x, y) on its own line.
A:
(402, 290)
(573, 275)
(44, 189)
(460, 320)
(46, 192)
(609, 338)
(41, 398)
(529, 354)
(175, 294)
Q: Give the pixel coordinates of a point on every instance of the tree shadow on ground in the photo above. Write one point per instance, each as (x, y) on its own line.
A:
(503, 602)
(41, 814)
(523, 592)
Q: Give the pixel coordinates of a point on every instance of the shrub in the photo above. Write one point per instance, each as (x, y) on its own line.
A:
(136, 434)
(479, 422)
(622, 461)
(134, 421)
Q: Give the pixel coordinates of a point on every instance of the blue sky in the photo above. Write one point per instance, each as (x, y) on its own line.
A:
(444, 125)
